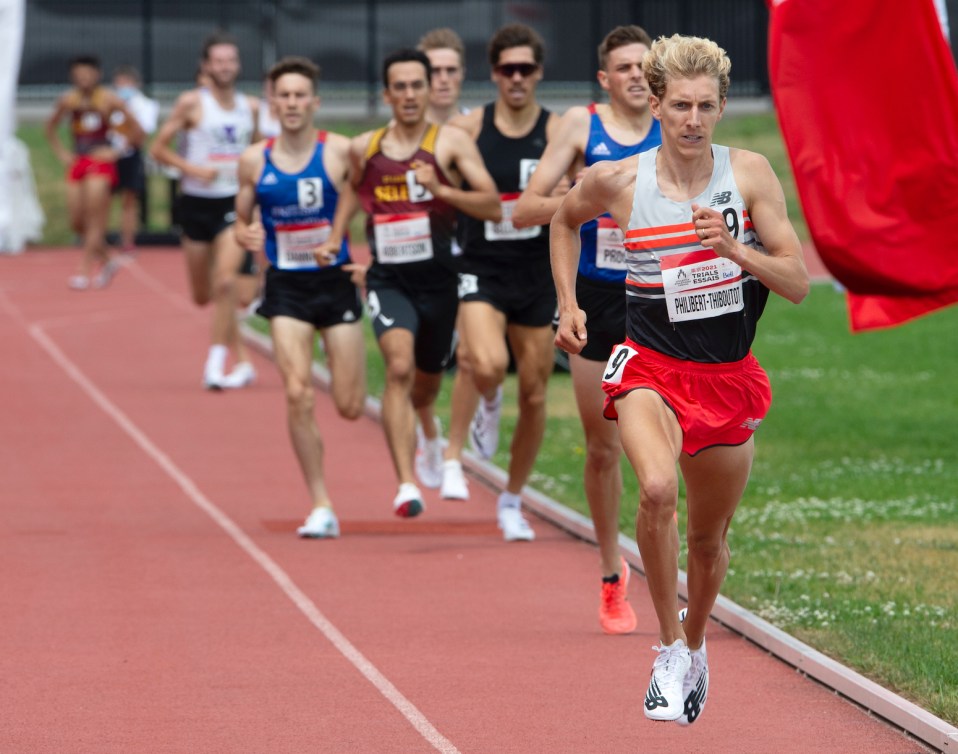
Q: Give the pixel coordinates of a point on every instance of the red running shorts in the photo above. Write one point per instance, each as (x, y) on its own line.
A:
(715, 404)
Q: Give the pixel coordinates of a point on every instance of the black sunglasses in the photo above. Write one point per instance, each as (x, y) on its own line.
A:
(511, 69)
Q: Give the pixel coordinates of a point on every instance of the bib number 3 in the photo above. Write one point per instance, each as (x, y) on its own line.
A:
(615, 367)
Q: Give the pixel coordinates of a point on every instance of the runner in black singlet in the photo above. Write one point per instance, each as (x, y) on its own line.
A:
(506, 294)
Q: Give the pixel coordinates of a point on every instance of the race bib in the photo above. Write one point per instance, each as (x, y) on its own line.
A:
(468, 284)
(504, 229)
(91, 120)
(609, 248)
(227, 176)
(401, 239)
(309, 193)
(700, 284)
(615, 367)
(527, 166)
(417, 192)
(295, 244)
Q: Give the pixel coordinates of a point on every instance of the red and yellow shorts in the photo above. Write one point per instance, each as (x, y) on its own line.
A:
(715, 404)
(84, 167)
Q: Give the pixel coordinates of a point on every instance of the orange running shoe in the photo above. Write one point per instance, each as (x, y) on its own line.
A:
(616, 615)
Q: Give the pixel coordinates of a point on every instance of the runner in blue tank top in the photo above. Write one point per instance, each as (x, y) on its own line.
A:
(603, 256)
(587, 135)
(296, 180)
(297, 211)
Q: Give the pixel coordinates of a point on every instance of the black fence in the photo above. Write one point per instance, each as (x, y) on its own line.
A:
(348, 39)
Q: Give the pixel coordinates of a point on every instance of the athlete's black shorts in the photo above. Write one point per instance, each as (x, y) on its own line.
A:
(322, 298)
(604, 306)
(203, 219)
(430, 315)
(524, 292)
(131, 173)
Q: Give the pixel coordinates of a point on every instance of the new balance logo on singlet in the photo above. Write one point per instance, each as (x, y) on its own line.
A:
(722, 198)
(601, 149)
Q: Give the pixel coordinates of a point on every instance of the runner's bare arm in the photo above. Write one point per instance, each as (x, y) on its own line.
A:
(336, 160)
(604, 188)
(357, 166)
(782, 268)
(254, 112)
(357, 157)
(454, 149)
(181, 118)
(337, 164)
(346, 207)
(562, 155)
(248, 229)
(52, 132)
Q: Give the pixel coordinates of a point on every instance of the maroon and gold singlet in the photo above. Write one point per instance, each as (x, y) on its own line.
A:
(89, 120)
(409, 230)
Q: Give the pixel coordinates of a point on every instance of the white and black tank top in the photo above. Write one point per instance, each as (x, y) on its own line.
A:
(217, 141)
(683, 299)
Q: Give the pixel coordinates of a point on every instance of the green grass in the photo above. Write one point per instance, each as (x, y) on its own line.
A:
(847, 536)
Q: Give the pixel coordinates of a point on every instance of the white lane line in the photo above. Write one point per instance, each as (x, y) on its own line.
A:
(306, 606)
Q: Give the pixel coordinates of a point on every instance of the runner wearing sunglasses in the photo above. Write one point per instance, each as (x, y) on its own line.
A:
(505, 291)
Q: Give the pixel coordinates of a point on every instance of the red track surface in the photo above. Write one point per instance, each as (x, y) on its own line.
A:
(155, 598)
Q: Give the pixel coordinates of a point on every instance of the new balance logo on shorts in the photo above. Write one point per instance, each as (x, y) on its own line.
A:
(751, 424)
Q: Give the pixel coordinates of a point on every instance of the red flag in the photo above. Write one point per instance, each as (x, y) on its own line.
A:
(867, 98)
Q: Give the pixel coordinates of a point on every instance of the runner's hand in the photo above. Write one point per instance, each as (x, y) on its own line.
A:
(327, 252)
(253, 237)
(571, 335)
(357, 273)
(713, 233)
(207, 175)
(427, 178)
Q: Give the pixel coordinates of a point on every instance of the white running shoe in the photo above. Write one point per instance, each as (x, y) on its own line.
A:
(514, 526)
(695, 687)
(321, 524)
(664, 699)
(213, 380)
(242, 374)
(106, 273)
(408, 503)
(78, 282)
(454, 484)
(484, 428)
(429, 457)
